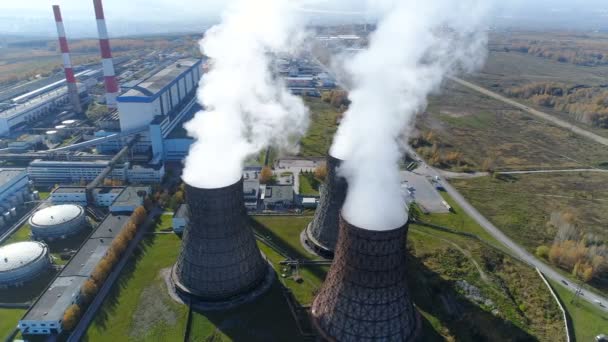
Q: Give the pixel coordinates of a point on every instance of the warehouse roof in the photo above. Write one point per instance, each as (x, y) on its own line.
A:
(7, 175)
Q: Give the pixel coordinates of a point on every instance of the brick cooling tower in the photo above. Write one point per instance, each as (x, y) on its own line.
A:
(365, 296)
(322, 232)
(220, 261)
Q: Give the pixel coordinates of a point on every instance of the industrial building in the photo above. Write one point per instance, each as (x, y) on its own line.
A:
(14, 188)
(22, 262)
(365, 295)
(322, 233)
(181, 218)
(117, 199)
(69, 172)
(159, 106)
(58, 222)
(35, 108)
(220, 264)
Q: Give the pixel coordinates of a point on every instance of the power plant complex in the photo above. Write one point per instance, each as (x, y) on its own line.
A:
(365, 296)
(322, 233)
(220, 264)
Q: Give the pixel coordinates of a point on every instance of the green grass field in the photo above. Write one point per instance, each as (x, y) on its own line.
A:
(322, 128)
(8, 321)
(588, 321)
(165, 223)
(22, 234)
(520, 205)
(306, 187)
(139, 307)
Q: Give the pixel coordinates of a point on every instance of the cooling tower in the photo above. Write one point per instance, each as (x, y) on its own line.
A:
(365, 296)
(220, 261)
(322, 232)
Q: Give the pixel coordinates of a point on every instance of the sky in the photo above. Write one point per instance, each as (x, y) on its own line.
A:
(128, 17)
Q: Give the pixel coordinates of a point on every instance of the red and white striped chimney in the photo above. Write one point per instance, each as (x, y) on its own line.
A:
(106, 55)
(67, 62)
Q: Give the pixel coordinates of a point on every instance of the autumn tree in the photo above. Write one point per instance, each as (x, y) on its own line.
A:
(89, 290)
(266, 175)
(542, 252)
(71, 317)
(101, 271)
(139, 215)
(321, 172)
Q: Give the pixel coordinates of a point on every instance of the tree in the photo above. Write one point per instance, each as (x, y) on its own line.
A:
(542, 252)
(71, 317)
(89, 290)
(101, 271)
(321, 172)
(588, 274)
(488, 165)
(266, 175)
(139, 215)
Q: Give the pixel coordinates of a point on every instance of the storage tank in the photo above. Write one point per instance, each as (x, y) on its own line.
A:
(58, 222)
(22, 262)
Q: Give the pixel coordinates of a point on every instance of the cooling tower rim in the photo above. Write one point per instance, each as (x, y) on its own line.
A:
(343, 220)
(335, 159)
(220, 189)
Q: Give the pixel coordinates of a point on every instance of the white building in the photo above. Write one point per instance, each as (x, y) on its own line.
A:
(160, 95)
(70, 172)
(130, 198)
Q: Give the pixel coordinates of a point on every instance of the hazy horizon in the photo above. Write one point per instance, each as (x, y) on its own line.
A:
(137, 17)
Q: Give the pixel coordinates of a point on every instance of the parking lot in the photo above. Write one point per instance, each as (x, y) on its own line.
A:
(424, 193)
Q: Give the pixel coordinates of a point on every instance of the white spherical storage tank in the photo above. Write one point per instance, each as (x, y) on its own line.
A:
(58, 222)
(21, 262)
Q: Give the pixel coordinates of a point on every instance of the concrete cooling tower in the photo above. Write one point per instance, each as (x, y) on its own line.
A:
(322, 233)
(220, 265)
(365, 296)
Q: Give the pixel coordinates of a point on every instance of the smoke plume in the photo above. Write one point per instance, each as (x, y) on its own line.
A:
(245, 107)
(416, 45)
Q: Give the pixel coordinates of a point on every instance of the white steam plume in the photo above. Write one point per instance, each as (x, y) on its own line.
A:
(416, 45)
(245, 107)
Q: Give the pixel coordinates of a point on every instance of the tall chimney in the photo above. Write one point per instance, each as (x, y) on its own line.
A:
(365, 295)
(220, 264)
(67, 62)
(106, 55)
(322, 232)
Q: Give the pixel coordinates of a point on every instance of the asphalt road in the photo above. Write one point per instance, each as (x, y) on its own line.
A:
(537, 113)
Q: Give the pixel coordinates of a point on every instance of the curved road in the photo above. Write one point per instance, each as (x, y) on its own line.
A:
(519, 251)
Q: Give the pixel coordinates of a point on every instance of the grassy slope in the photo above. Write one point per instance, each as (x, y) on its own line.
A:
(588, 321)
(8, 320)
(522, 204)
(317, 141)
